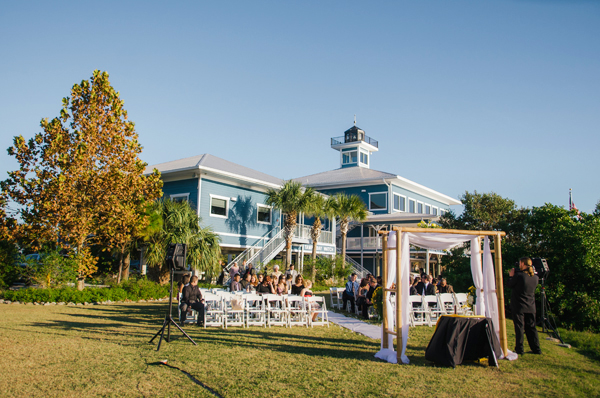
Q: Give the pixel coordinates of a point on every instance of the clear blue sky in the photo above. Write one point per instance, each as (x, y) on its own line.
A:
(482, 95)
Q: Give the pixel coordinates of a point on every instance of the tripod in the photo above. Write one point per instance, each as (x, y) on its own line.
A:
(545, 309)
(169, 320)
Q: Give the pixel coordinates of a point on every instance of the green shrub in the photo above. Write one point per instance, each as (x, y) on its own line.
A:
(52, 270)
(134, 290)
(9, 272)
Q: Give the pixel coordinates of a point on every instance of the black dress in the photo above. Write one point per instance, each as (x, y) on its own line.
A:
(296, 290)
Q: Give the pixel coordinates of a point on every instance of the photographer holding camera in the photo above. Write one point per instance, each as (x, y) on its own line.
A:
(523, 282)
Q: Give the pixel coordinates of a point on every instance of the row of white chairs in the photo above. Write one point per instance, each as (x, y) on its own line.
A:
(425, 310)
(224, 309)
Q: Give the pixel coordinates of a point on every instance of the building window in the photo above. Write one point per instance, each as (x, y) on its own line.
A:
(442, 212)
(364, 158)
(219, 206)
(411, 206)
(264, 214)
(419, 207)
(180, 197)
(434, 211)
(399, 202)
(427, 209)
(349, 157)
(378, 201)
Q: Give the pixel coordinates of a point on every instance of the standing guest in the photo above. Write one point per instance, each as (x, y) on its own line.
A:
(291, 271)
(221, 278)
(249, 270)
(298, 286)
(192, 298)
(350, 293)
(444, 287)
(266, 287)
(289, 282)
(276, 273)
(234, 270)
(243, 268)
(235, 286)
(183, 283)
(523, 282)
(379, 281)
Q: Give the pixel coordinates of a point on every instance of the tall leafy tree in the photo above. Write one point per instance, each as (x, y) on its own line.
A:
(317, 208)
(291, 200)
(347, 208)
(180, 224)
(80, 180)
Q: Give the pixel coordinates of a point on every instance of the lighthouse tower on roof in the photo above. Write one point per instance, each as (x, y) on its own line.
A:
(355, 147)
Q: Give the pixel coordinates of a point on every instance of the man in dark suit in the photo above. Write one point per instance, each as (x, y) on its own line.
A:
(523, 282)
(425, 287)
(192, 298)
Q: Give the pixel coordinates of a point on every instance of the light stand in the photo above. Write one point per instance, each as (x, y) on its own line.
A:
(169, 320)
(544, 310)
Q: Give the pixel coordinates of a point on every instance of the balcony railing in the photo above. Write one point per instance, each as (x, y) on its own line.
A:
(368, 243)
(342, 140)
(303, 232)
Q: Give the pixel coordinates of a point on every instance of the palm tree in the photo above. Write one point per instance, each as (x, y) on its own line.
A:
(181, 224)
(291, 199)
(317, 208)
(347, 208)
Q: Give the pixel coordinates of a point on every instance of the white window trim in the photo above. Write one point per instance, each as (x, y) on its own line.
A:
(378, 193)
(425, 208)
(180, 195)
(226, 199)
(270, 215)
(350, 151)
(366, 153)
(408, 204)
(437, 210)
(405, 203)
(422, 207)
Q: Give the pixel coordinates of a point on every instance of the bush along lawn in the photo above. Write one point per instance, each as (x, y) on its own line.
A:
(135, 290)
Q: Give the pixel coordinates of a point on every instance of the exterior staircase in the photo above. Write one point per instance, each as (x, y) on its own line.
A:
(357, 268)
(263, 251)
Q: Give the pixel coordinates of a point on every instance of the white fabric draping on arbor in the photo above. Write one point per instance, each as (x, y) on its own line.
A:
(489, 287)
(388, 354)
(425, 241)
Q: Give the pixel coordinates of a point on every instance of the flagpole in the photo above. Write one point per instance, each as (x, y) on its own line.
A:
(570, 199)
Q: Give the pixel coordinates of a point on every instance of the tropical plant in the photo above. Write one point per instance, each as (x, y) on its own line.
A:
(180, 224)
(346, 208)
(291, 200)
(317, 208)
(80, 181)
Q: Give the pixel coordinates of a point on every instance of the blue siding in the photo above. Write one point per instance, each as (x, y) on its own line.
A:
(419, 198)
(242, 216)
(183, 186)
(364, 196)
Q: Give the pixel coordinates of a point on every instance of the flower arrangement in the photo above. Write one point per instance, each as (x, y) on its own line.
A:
(378, 301)
(471, 296)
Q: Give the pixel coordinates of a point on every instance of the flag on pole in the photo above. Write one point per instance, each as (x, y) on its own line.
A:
(572, 204)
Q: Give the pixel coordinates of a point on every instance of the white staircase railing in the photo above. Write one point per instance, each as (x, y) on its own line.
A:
(269, 250)
(255, 248)
(360, 271)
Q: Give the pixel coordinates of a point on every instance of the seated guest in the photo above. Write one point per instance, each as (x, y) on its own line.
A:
(379, 281)
(445, 287)
(254, 281)
(426, 288)
(298, 286)
(184, 282)
(235, 286)
(306, 292)
(281, 286)
(369, 298)
(289, 282)
(413, 289)
(247, 282)
(192, 298)
(266, 287)
(362, 293)
(260, 278)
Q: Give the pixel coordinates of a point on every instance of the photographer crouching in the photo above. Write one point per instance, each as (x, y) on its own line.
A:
(523, 282)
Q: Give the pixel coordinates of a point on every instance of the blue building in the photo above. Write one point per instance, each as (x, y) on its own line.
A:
(231, 198)
(391, 200)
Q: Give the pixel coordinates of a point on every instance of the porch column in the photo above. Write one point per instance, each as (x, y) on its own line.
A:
(427, 262)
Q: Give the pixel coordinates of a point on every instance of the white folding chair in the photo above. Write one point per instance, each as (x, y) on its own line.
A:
(276, 311)
(316, 305)
(462, 306)
(214, 315)
(297, 313)
(431, 304)
(339, 294)
(446, 302)
(332, 295)
(419, 315)
(255, 310)
(233, 306)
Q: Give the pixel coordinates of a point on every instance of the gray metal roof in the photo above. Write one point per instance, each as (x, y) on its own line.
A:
(347, 175)
(212, 163)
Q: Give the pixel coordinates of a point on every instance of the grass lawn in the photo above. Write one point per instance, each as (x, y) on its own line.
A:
(86, 351)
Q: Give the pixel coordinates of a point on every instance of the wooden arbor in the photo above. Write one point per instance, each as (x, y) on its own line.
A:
(497, 235)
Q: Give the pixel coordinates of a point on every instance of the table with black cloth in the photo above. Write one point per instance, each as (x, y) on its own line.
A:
(463, 338)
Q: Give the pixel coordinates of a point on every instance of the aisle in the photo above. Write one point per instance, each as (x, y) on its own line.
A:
(356, 325)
